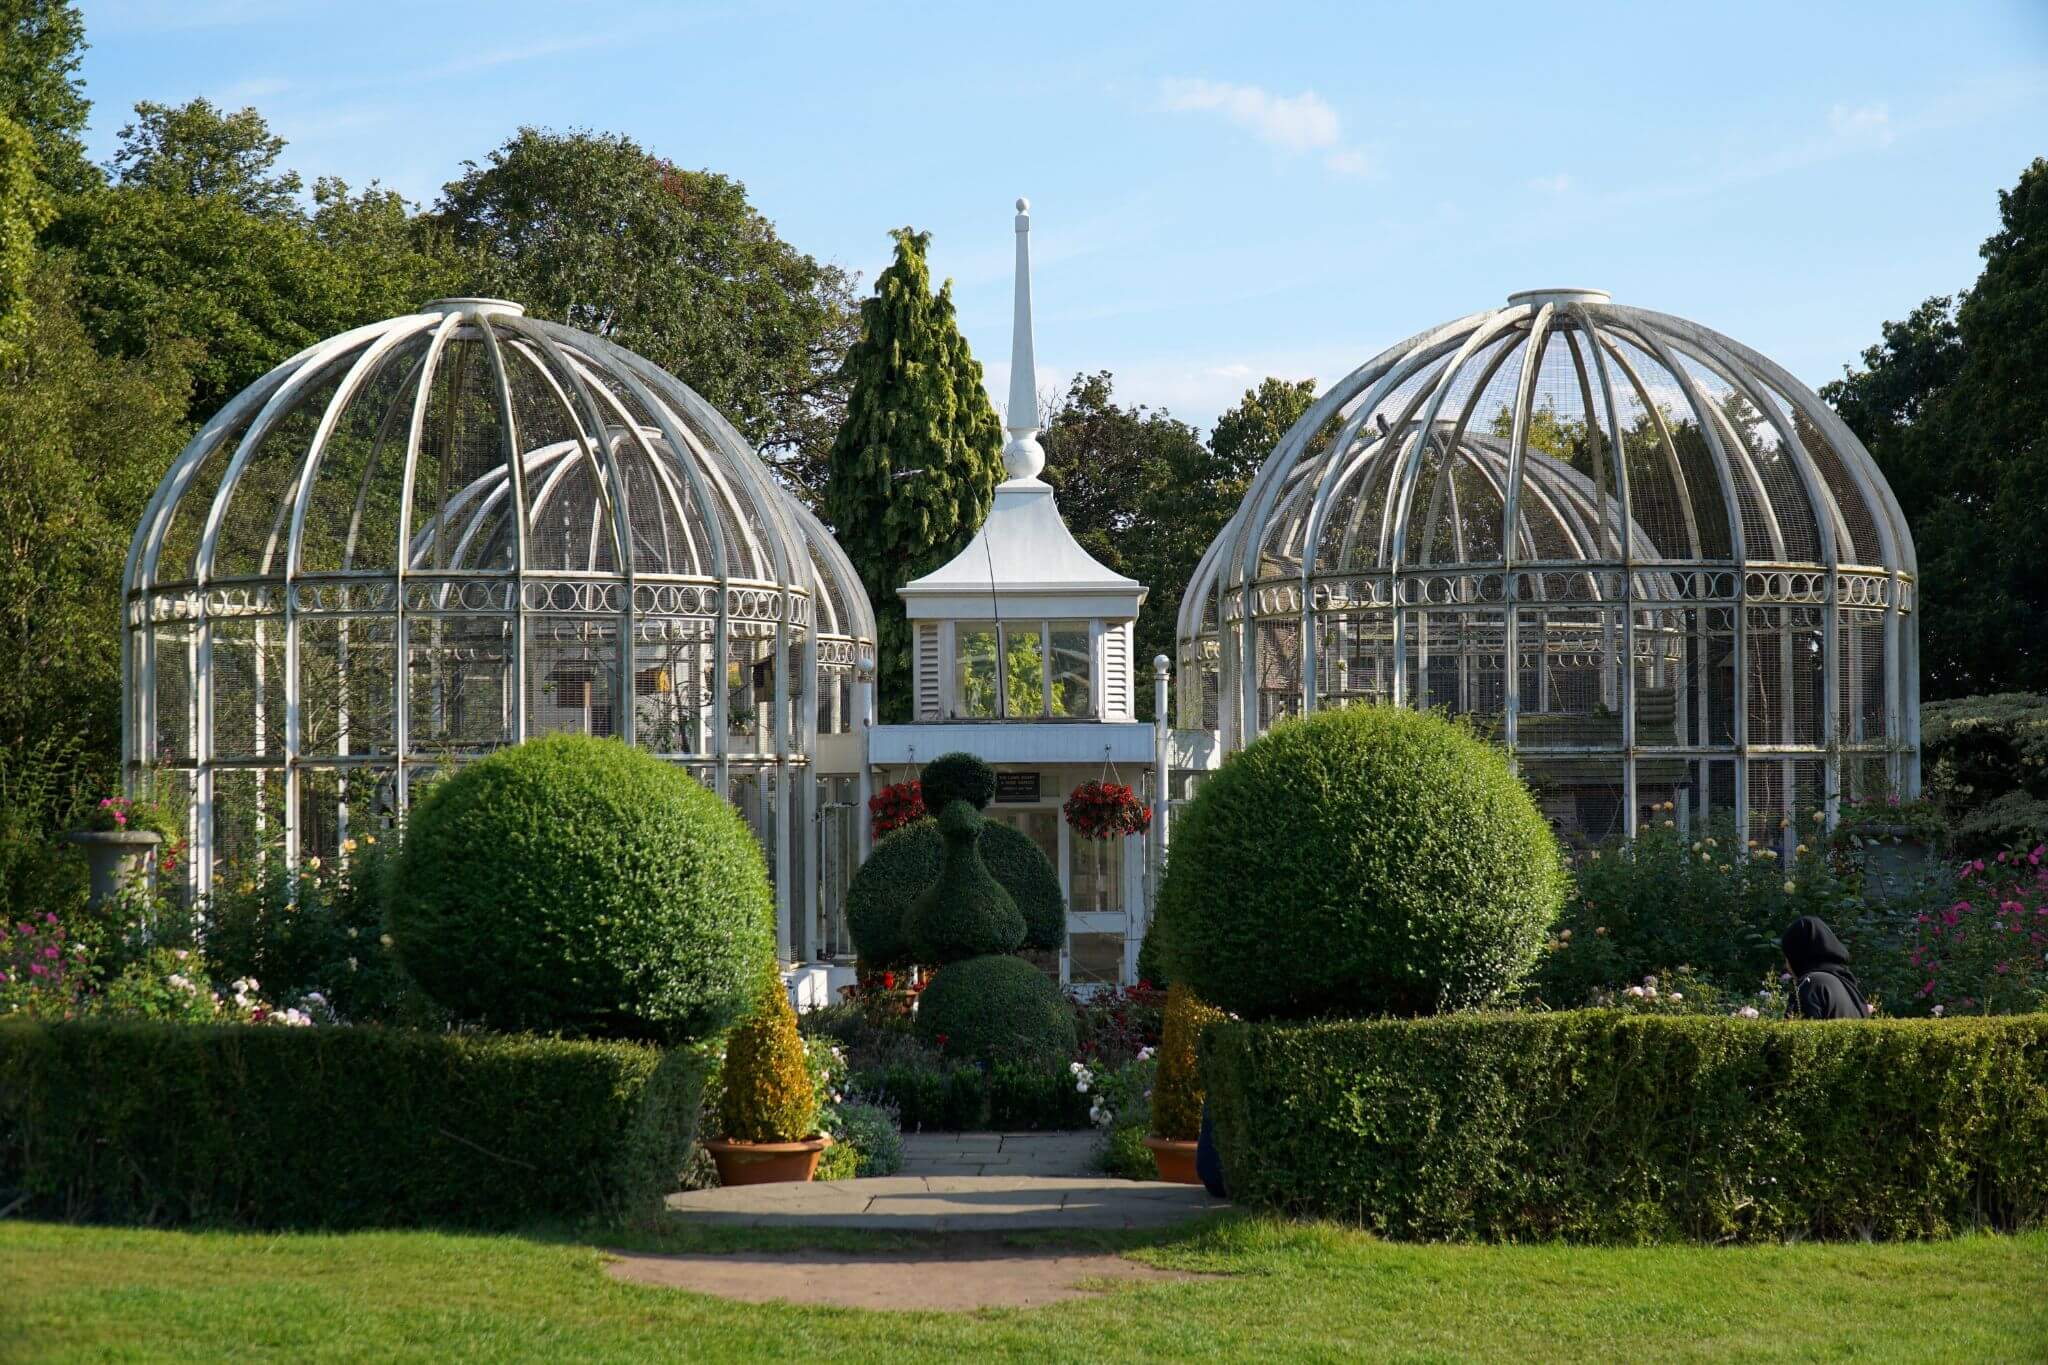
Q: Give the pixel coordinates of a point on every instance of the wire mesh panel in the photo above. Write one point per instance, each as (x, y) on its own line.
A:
(426, 539)
(1647, 559)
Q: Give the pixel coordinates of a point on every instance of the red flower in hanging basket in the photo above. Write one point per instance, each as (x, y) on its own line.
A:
(1107, 810)
(896, 805)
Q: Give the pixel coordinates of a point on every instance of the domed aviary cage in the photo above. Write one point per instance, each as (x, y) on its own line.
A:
(1651, 562)
(429, 538)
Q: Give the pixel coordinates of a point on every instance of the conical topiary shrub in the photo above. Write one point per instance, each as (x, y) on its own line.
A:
(767, 1102)
(965, 912)
(1177, 1091)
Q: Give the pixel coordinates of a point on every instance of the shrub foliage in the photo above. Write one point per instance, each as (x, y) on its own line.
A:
(1369, 860)
(965, 912)
(1177, 1096)
(336, 1127)
(988, 1007)
(1986, 765)
(958, 776)
(907, 861)
(579, 886)
(1596, 1126)
(766, 1093)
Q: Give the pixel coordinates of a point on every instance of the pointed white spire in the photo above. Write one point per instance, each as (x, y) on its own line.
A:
(1023, 457)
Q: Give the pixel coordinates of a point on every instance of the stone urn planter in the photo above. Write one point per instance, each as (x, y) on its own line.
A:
(1175, 1158)
(113, 857)
(766, 1163)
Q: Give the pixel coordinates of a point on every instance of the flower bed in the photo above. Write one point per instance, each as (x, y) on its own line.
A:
(1596, 1126)
(335, 1127)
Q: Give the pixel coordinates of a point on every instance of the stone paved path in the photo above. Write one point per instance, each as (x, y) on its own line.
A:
(999, 1154)
(962, 1182)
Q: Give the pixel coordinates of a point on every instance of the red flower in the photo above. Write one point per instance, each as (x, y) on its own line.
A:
(894, 806)
(1107, 810)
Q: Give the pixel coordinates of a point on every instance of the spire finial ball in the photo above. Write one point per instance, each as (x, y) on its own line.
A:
(1023, 205)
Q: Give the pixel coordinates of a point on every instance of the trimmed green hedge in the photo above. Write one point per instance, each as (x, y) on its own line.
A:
(336, 1127)
(1598, 1126)
(1008, 1096)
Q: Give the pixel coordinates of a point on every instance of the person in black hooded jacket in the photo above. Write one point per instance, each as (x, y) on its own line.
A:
(1823, 987)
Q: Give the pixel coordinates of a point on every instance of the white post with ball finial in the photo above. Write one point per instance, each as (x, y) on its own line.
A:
(1023, 456)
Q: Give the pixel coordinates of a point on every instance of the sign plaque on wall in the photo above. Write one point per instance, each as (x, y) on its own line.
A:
(1016, 787)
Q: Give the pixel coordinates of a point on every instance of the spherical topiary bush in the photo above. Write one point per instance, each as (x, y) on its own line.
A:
(578, 886)
(964, 912)
(954, 777)
(907, 861)
(1369, 860)
(988, 1007)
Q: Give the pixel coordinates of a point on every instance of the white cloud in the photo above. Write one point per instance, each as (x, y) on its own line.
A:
(1551, 184)
(1862, 123)
(1296, 124)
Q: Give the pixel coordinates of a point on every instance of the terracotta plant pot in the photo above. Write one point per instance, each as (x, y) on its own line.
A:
(767, 1163)
(1175, 1158)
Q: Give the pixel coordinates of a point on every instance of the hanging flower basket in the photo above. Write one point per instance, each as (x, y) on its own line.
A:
(896, 805)
(1107, 810)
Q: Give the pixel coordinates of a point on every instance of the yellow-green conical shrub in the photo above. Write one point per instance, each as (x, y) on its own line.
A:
(1177, 1091)
(768, 1095)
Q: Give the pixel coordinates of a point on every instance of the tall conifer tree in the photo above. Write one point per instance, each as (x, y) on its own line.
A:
(916, 464)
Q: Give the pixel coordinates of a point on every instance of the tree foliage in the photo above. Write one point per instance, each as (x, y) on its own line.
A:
(593, 230)
(158, 263)
(1951, 405)
(83, 439)
(24, 209)
(199, 151)
(916, 464)
(40, 46)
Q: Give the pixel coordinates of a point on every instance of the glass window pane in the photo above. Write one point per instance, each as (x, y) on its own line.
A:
(1024, 669)
(1095, 959)
(1096, 880)
(974, 645)
(1069, 670)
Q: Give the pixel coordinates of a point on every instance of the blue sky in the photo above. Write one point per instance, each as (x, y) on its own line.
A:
(1219, 191)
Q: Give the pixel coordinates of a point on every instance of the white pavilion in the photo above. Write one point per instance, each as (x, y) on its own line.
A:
(1023, 656)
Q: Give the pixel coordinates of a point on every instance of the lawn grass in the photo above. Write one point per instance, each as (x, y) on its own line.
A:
(1281, 1291)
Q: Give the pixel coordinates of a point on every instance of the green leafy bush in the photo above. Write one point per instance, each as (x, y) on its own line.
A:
(949, 1097)
(768, 1092)
(866, 1141)
(336, 1127)
(1703, 899)
(957, 777)
(988, 1007)
(903, 864)
(1368, 860)
(1984, 761)
(1596, 1126)
(965, 912)
(579, 886)
(1177, 1096)
(320, 928)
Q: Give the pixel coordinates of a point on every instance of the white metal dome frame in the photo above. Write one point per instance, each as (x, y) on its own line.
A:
(1457, 502)
(498, 502)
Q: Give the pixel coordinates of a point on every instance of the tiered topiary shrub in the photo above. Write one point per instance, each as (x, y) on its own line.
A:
(983, 1002)
(578, 886)
(965, 912)
(1364, 861)
(906, 862)
(994, 1006)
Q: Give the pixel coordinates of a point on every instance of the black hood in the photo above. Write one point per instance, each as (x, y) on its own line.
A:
(1810, 946)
